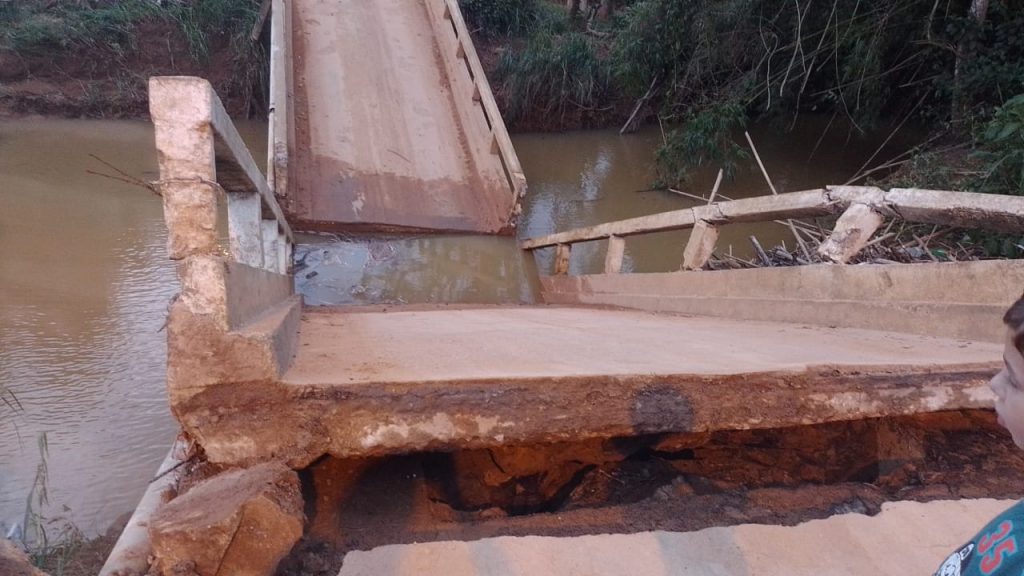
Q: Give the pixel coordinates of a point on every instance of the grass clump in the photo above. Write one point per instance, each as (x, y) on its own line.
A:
(33, 28)
(104, 38)
(553, 74)
(204, 20)
(497, 17)
(51, 542)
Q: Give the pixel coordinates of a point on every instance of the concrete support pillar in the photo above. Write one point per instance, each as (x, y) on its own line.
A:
(613, 258)
(701, 245)
(270, 245)
(562, 254)
(852, 231)
(244, 229)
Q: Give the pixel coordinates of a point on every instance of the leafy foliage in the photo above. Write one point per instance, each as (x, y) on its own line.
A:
(865, 60)
(1001, 148)
(706, 138)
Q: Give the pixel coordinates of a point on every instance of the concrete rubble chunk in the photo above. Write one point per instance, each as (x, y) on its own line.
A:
(14, 562)
(241, 522)
(852, 232)
(701, 245)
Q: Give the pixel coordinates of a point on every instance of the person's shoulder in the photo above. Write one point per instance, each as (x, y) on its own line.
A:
(997, 550)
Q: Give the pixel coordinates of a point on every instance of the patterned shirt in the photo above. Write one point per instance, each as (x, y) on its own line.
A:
(997, 550)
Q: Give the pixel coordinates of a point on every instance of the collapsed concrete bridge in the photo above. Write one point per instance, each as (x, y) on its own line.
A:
(256, 376)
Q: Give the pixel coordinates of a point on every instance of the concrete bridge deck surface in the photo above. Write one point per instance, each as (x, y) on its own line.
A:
(367, 382)
(514, 343)
(904, 538)
(380, 145)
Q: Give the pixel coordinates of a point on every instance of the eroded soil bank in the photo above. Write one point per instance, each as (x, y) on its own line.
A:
(99, 77)
(678, 483)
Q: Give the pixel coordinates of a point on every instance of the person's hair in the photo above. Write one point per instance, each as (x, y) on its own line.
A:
(1014, 319)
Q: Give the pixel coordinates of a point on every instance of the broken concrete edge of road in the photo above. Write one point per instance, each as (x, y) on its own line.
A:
(241, 522)
(244, 423)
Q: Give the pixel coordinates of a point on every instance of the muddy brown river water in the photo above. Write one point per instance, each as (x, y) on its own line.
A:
(84, 280)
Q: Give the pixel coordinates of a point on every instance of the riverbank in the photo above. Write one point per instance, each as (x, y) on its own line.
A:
(616, 65)
(77, 60)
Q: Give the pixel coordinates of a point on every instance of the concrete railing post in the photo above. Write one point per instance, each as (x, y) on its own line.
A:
(701, 246)
(202, 156)
(562, 254)
(852, 231)
(613, 258)
(188, 172)
(244, 229)
(182, 113)
(271, 243)
(283, 251)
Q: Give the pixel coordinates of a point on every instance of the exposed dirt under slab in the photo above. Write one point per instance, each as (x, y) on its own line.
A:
(251, 422)
(678, 483)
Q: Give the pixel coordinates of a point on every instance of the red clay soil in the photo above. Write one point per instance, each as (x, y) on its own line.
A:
(95, 82)
(678, 483)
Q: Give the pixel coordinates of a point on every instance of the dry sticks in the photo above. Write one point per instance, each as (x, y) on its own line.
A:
(792, 228)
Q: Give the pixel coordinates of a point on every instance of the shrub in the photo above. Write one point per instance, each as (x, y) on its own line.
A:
(1002, 149)
(552, 74)
(500, 17)
(706, 138)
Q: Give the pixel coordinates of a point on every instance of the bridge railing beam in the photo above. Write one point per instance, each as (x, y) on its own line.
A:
(862, 209)
(473, 97)
(279, 115)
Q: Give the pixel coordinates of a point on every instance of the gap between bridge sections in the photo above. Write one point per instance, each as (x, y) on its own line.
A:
(395, 128)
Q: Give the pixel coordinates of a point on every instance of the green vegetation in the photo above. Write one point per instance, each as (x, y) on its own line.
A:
(502, 17)
(554, 75)
(707, 68)
(1002, 148)
(32, 28)
(115, 38)
(705, 140)
(51, 542)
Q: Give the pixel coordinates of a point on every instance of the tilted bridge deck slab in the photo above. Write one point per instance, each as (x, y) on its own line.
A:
(381, 144)
(373, 382)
